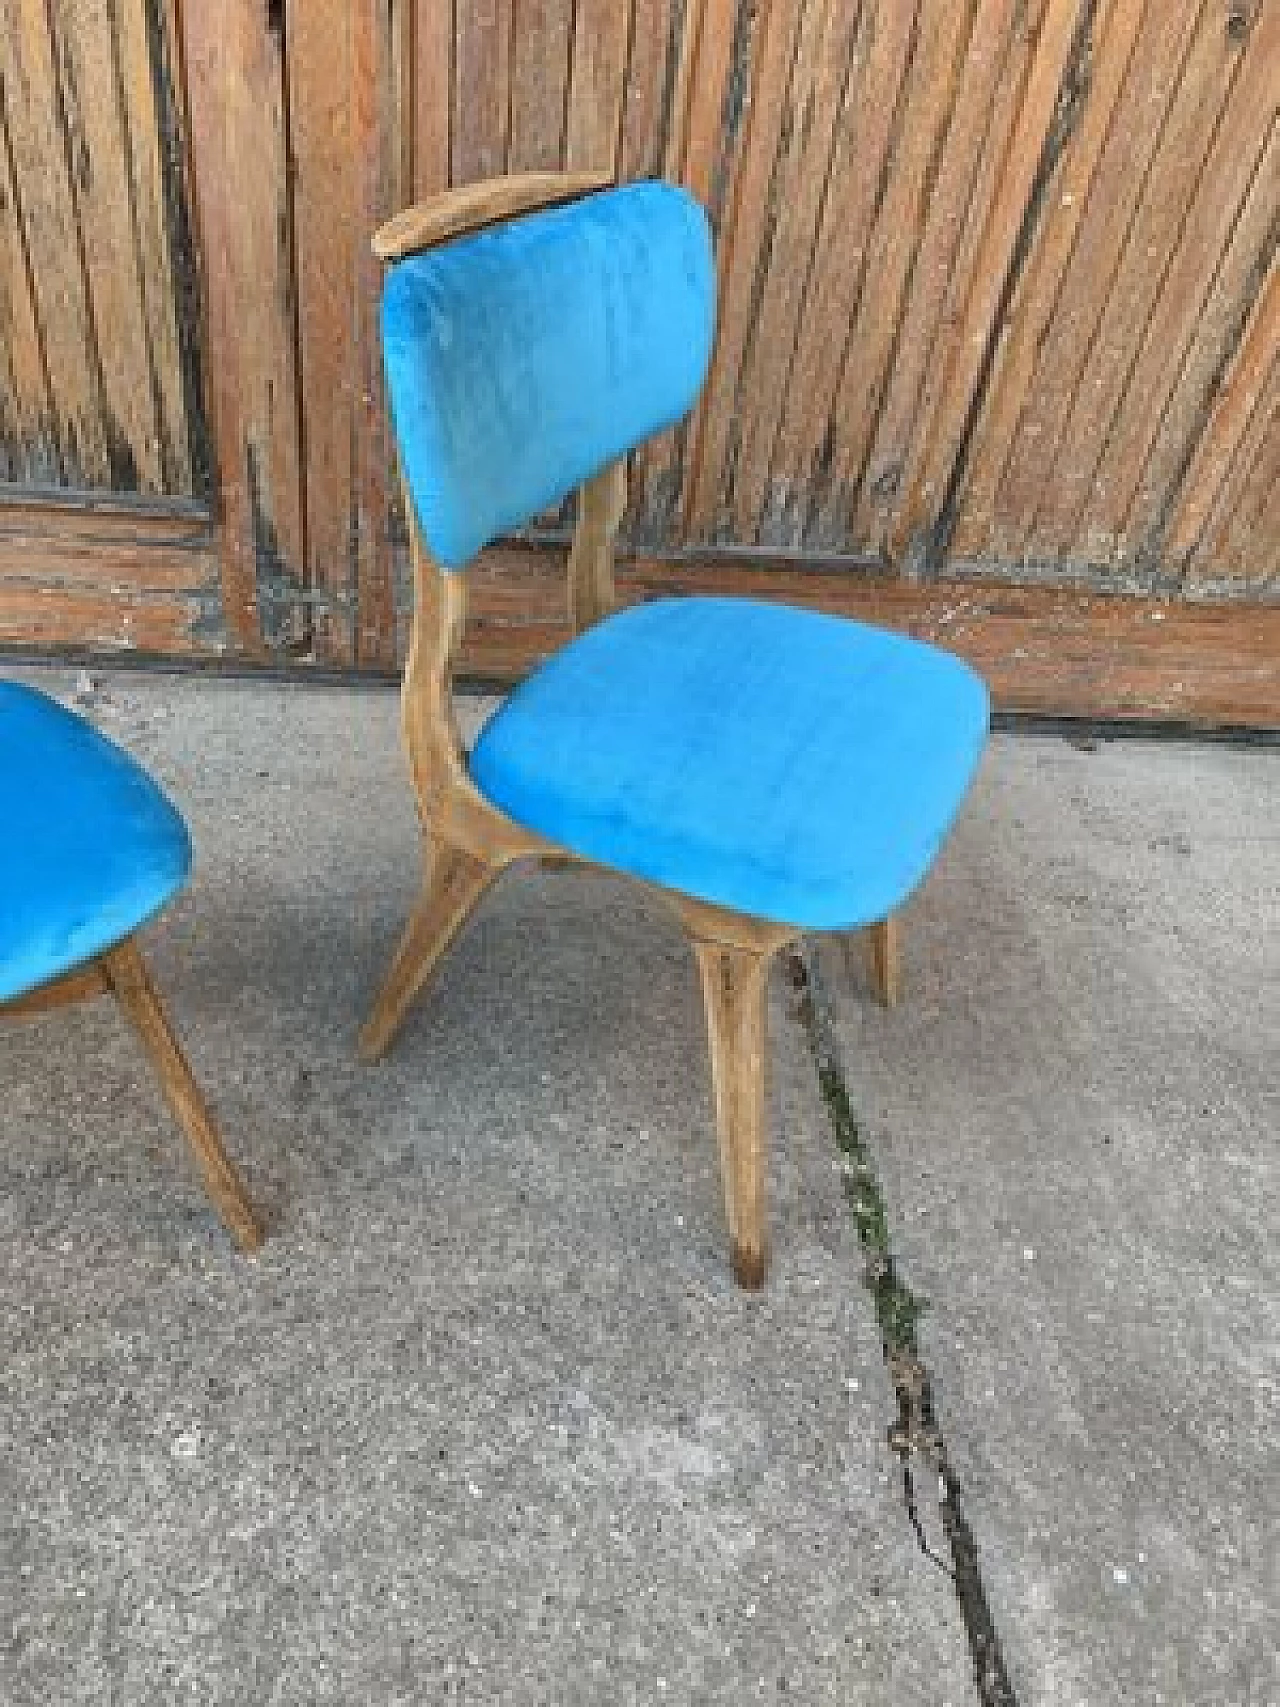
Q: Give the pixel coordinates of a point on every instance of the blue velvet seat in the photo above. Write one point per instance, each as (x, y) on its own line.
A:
(89, 847)
(790, 766)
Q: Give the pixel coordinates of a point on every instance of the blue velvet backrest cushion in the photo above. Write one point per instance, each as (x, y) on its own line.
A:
(522, 359)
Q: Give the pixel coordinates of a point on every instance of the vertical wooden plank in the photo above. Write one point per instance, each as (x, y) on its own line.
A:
(539, 84)
(145, 38)
(814, 113)
(1234, 409)
(28, 431)
(712, 50)
(986, 79)
(482, 90)
(1206, 79)
(1175, 320)
(1245, 548)
(432, 53)
(1248, 258)
(939, 434)
(373, 109)
(1035, 299)
(749, 218)
(650, 89)
(1131, 144)
(602, 30)
(943, 30)
(232, 70)
(41, 170)
(859, 171)
(1214, 558)
(92, 96)
(326, 196)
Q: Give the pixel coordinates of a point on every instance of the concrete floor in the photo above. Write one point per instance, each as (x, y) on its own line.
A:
(486, 1421)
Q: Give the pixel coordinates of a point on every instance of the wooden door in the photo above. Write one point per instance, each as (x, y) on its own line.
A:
(999, 325)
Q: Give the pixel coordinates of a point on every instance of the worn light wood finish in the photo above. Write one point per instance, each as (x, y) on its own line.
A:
(601, 503)
(473, 206)
(122, 972)
(735, 989)
(81, 985)
(886, 960)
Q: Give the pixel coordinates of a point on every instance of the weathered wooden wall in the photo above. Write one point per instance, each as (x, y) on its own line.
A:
(999, 301)
(99, 331)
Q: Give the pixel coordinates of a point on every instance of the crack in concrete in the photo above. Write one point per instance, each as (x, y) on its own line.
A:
(915, 1435)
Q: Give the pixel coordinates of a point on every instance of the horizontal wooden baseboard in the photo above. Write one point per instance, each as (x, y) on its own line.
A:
(1044, 650)
(142, 578)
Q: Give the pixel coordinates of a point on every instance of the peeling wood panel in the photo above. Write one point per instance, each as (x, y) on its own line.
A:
(982, 105)
(1033, 102)
(37, 143)
(1084, 115)
(1152, 241)
(1249, 257)
(144, 47)
(28, 429)
(1131, 143)
(96, 574)
(1234, 406)
(865, 128)
(1166, 332)
(803, 168)
(943, 30)
(1041, 649)
(745, 238)
(235, 97)
(92, 102)
(95, 217)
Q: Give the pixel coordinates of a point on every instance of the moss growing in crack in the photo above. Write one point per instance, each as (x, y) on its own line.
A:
(898, 1308)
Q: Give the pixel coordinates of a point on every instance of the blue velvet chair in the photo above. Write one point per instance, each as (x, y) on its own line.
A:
(90, 850)
(769, 770)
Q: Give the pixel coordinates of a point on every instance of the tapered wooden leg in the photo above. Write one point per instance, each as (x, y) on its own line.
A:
(126, 973)
(455, 882)
(886, 960)
(735, 990)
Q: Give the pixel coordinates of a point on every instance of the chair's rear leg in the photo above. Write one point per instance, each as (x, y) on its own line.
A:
(126, 973)
(455, 881)
(735, 991)
(886, 960)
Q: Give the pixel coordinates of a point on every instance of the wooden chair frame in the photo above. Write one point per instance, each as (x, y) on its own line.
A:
(122, 972)
(469, 842)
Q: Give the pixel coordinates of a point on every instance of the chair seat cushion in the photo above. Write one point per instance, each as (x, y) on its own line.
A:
(795, 767)
(89, 846)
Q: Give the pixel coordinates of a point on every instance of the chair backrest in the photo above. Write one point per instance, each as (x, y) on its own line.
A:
(523, 358)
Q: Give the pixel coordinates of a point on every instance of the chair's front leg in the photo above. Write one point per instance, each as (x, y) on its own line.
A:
(886, 960)
(455, 881)
(126, 974)
(735, 990)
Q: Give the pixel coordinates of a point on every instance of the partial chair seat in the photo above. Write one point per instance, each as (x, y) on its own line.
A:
(790, 766)
(89, 847)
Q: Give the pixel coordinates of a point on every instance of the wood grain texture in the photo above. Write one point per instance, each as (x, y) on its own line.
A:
(432, 56)
(1166, 330)
(471, 207)
(29, 438)
(40, 166)
(735, 985)
(1053, 650)
(127, 974)
(234, 80)
(597, 84)
(481, 89)
(542, 39)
